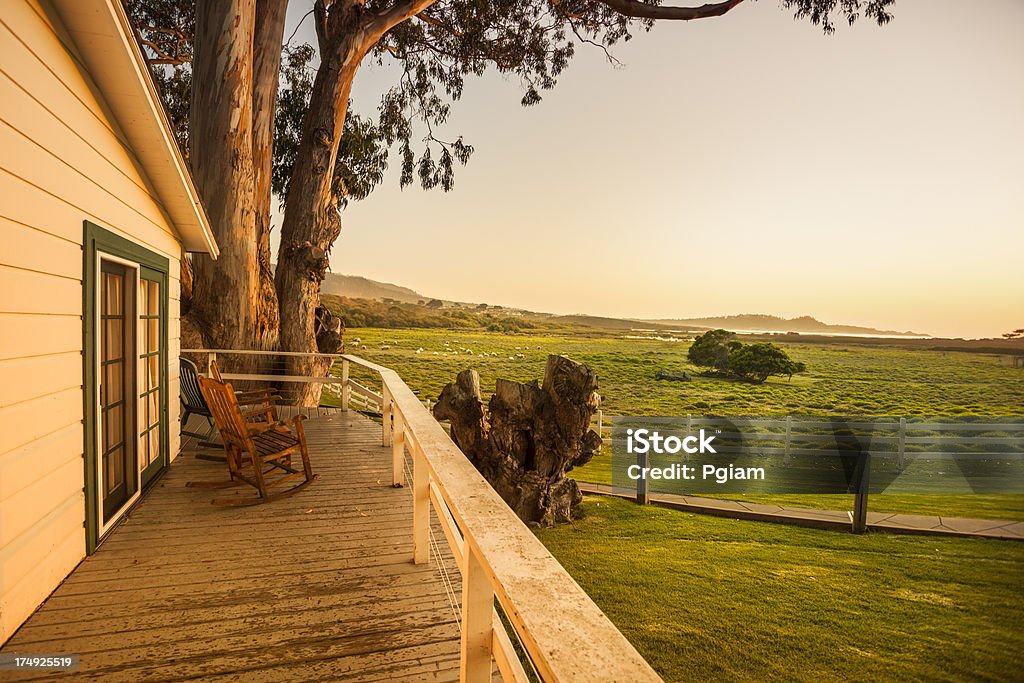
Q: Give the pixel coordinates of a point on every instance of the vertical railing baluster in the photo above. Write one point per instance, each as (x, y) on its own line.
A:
(420, 507)
(346, 390)
(398, 452)
(477, 620)
(386, 412)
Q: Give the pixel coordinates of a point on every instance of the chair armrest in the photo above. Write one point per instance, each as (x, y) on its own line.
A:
(257, 400)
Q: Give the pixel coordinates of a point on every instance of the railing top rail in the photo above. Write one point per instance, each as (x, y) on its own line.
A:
(537, 593)
(256, 352)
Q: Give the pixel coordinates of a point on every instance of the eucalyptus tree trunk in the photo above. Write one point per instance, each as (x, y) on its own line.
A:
(267, 40)
(236, 57)
(311, 218)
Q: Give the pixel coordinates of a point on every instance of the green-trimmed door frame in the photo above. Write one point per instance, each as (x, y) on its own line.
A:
(153, 266)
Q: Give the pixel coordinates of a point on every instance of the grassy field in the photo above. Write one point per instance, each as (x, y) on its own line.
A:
(875, 380)
(843, 379)
(704, 598)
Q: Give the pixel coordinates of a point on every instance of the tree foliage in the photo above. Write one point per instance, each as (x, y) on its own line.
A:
(362, 152)
(720, 351)
(757, 362)
(435, 52)
(711, 349)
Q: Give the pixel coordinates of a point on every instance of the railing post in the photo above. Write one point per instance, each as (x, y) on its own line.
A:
(346, 390)
(211, 358)
(420, 508)
(477, 621)
(398, 454)
(789, 429)
(901, 446)
(386, 411)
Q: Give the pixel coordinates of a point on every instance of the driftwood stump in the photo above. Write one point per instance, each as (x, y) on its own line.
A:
(529, 436)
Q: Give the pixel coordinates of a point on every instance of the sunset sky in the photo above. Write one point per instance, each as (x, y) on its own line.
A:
(747, 164)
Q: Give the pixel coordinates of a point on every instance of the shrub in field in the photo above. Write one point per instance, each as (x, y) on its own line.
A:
(759, 361)
(711, 349)
(719, 351)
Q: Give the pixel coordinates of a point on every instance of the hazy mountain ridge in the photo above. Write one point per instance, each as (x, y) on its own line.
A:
(358, 287)
(758, 322)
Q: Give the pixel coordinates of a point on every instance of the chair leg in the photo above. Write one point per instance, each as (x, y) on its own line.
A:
(257, 471)
(306, 467)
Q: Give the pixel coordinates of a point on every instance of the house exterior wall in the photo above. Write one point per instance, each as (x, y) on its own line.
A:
(63, 160)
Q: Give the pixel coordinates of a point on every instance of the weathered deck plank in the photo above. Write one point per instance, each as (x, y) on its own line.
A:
(319, 586)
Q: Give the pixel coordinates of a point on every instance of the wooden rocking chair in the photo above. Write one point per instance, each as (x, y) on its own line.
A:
(258, 454)
(259, 407)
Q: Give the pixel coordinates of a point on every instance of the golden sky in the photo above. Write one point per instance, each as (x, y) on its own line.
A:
(747, 164)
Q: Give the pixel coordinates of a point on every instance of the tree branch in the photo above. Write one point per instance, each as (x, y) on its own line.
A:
(399, 12)
(642, 10)
(320, 23)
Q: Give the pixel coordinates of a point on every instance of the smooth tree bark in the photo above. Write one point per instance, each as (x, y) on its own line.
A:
(235, 71)
(345, 33)
(267, 40)
(529, 437)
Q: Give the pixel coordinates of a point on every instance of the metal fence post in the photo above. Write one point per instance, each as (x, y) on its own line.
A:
(642, 490)
(860, 501)
(789, 429)
(902, 446)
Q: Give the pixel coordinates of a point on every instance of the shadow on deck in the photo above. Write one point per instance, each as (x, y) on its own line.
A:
(319, 586)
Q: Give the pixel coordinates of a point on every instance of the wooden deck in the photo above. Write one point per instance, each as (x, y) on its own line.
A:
(316, 587)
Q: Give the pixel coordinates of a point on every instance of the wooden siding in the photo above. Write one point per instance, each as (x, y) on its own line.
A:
(63, 160)
(320, 586)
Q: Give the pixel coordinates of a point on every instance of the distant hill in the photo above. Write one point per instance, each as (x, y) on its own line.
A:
(756, 322)
(356, 287)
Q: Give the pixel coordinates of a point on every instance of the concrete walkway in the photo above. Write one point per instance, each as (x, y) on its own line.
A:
(828, 519)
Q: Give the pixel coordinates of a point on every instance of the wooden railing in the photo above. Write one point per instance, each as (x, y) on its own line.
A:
(565, 636)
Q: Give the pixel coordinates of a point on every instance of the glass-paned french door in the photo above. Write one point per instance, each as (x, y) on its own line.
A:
(117, 387)
(152, 360)
(132, 433)
(125, 357)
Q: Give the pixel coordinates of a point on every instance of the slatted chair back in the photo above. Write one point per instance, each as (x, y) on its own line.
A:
(227, 414)
(191, 394)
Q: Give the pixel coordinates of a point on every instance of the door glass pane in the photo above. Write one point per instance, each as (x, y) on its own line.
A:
(154, 444)
(113, 338)
(113, 383)
(151, 360)
(113, 420)
(143, 297)
(112, 295)
(143, 451)
(153, 338)
(113, 468)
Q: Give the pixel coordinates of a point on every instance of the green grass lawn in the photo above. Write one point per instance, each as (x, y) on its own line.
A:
(875, 380)
(704, 598)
